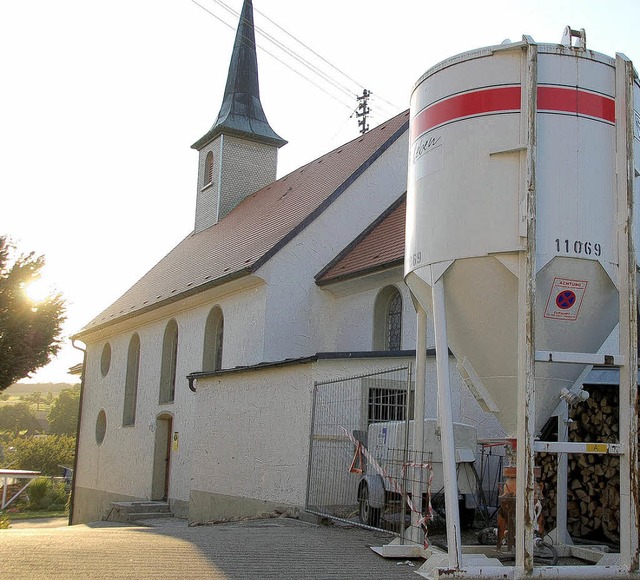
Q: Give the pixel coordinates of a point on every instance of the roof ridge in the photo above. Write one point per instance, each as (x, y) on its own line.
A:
(361, 236)
(253, 232)
(353, 176)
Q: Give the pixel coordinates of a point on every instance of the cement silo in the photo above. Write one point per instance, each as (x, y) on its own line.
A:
(519, 235)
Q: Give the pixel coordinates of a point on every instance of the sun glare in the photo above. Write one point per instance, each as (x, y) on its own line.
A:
(38, 291)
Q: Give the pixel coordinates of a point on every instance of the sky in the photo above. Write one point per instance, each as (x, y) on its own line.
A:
(101, 101)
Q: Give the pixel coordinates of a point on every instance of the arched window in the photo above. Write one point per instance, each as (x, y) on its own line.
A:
(131, 381)
(169, 361)
(387, 331)
(208, 168)
(213, 339)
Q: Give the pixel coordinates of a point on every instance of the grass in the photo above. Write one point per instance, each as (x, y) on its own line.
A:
(36, 514)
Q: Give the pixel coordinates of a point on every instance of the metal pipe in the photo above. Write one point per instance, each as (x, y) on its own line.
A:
(405, 452)
(75, 458)
(628, 406)
(445, 415)
(314, 397)
(562, 479)
(525, 480)
(564, 572)
(418, 415)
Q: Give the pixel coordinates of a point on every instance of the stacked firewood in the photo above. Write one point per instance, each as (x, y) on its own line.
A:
(593, 501)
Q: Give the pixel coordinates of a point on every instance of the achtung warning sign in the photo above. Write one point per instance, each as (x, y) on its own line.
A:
(565, 299)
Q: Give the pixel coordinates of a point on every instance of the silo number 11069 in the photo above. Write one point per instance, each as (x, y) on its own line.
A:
(579, 247)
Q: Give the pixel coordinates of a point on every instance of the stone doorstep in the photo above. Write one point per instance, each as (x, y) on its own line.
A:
(149, 515)
(127, 511)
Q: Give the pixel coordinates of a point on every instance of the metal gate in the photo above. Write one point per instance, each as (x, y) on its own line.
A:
(345, 412)
(363, 471)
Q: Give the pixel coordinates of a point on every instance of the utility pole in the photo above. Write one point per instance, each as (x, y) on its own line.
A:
(363, 110)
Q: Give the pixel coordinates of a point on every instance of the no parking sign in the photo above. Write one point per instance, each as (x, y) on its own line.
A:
(565, 299)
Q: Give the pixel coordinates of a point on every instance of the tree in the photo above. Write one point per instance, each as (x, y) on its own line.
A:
(63, 415)
(30, 332)
(37, 398)
(18, 417)
(45, 453)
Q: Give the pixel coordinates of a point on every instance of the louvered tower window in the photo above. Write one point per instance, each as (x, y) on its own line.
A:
(208, 168)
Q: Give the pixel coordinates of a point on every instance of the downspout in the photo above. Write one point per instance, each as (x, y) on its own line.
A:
(75, 458)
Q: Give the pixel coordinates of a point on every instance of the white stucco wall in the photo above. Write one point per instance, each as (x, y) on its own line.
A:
(252, 440)
(296, 308)
(253, 435)
(355, 312)
(123, 463)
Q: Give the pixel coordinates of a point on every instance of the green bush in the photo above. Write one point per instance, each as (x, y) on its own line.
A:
(4, 522)
(44, 493)
(44, 453)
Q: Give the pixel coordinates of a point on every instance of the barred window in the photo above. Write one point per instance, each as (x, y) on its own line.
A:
(389, 405)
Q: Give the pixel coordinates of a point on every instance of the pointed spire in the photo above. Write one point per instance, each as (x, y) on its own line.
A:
(241, 113)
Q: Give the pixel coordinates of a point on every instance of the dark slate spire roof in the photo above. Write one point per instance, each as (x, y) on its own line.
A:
(241, 113)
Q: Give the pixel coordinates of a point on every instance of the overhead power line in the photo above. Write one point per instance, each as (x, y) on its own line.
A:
(308, 48)
(289, 51)
(327, 78)
(299, 73)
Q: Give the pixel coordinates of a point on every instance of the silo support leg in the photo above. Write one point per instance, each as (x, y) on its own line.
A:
(445, 416)
(418, 410)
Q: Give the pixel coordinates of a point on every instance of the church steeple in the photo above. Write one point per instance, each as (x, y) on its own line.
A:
(239, 154)
(241, 113)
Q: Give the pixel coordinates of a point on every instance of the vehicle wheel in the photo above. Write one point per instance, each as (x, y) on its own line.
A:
(467, 515)
(368, 515)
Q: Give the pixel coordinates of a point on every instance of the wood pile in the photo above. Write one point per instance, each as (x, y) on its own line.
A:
(593, 502)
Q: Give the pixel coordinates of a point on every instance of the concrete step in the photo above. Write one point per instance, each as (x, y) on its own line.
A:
(131, 511)
(148, 515)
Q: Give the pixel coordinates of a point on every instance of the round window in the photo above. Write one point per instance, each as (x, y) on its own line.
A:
(105, 360)
(101, 426)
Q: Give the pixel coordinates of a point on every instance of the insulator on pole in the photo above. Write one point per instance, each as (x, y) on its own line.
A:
(363, 110)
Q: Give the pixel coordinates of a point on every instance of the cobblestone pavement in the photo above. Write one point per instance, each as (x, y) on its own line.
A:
(274, 548)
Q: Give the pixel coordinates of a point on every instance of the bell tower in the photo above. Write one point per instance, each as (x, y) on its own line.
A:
(239, 154)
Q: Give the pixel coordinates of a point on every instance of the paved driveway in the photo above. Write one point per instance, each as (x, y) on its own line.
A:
(275, 548)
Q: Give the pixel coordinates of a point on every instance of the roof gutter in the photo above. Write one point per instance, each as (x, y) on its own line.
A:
(171, 300)
(360, 273)
(193, 377)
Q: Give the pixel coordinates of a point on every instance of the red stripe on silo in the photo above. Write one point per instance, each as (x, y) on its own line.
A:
(574, 100)
(507, 100)
(480, 102)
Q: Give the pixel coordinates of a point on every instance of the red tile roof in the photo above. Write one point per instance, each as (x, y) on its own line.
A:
(254, 230)
(380, 246)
